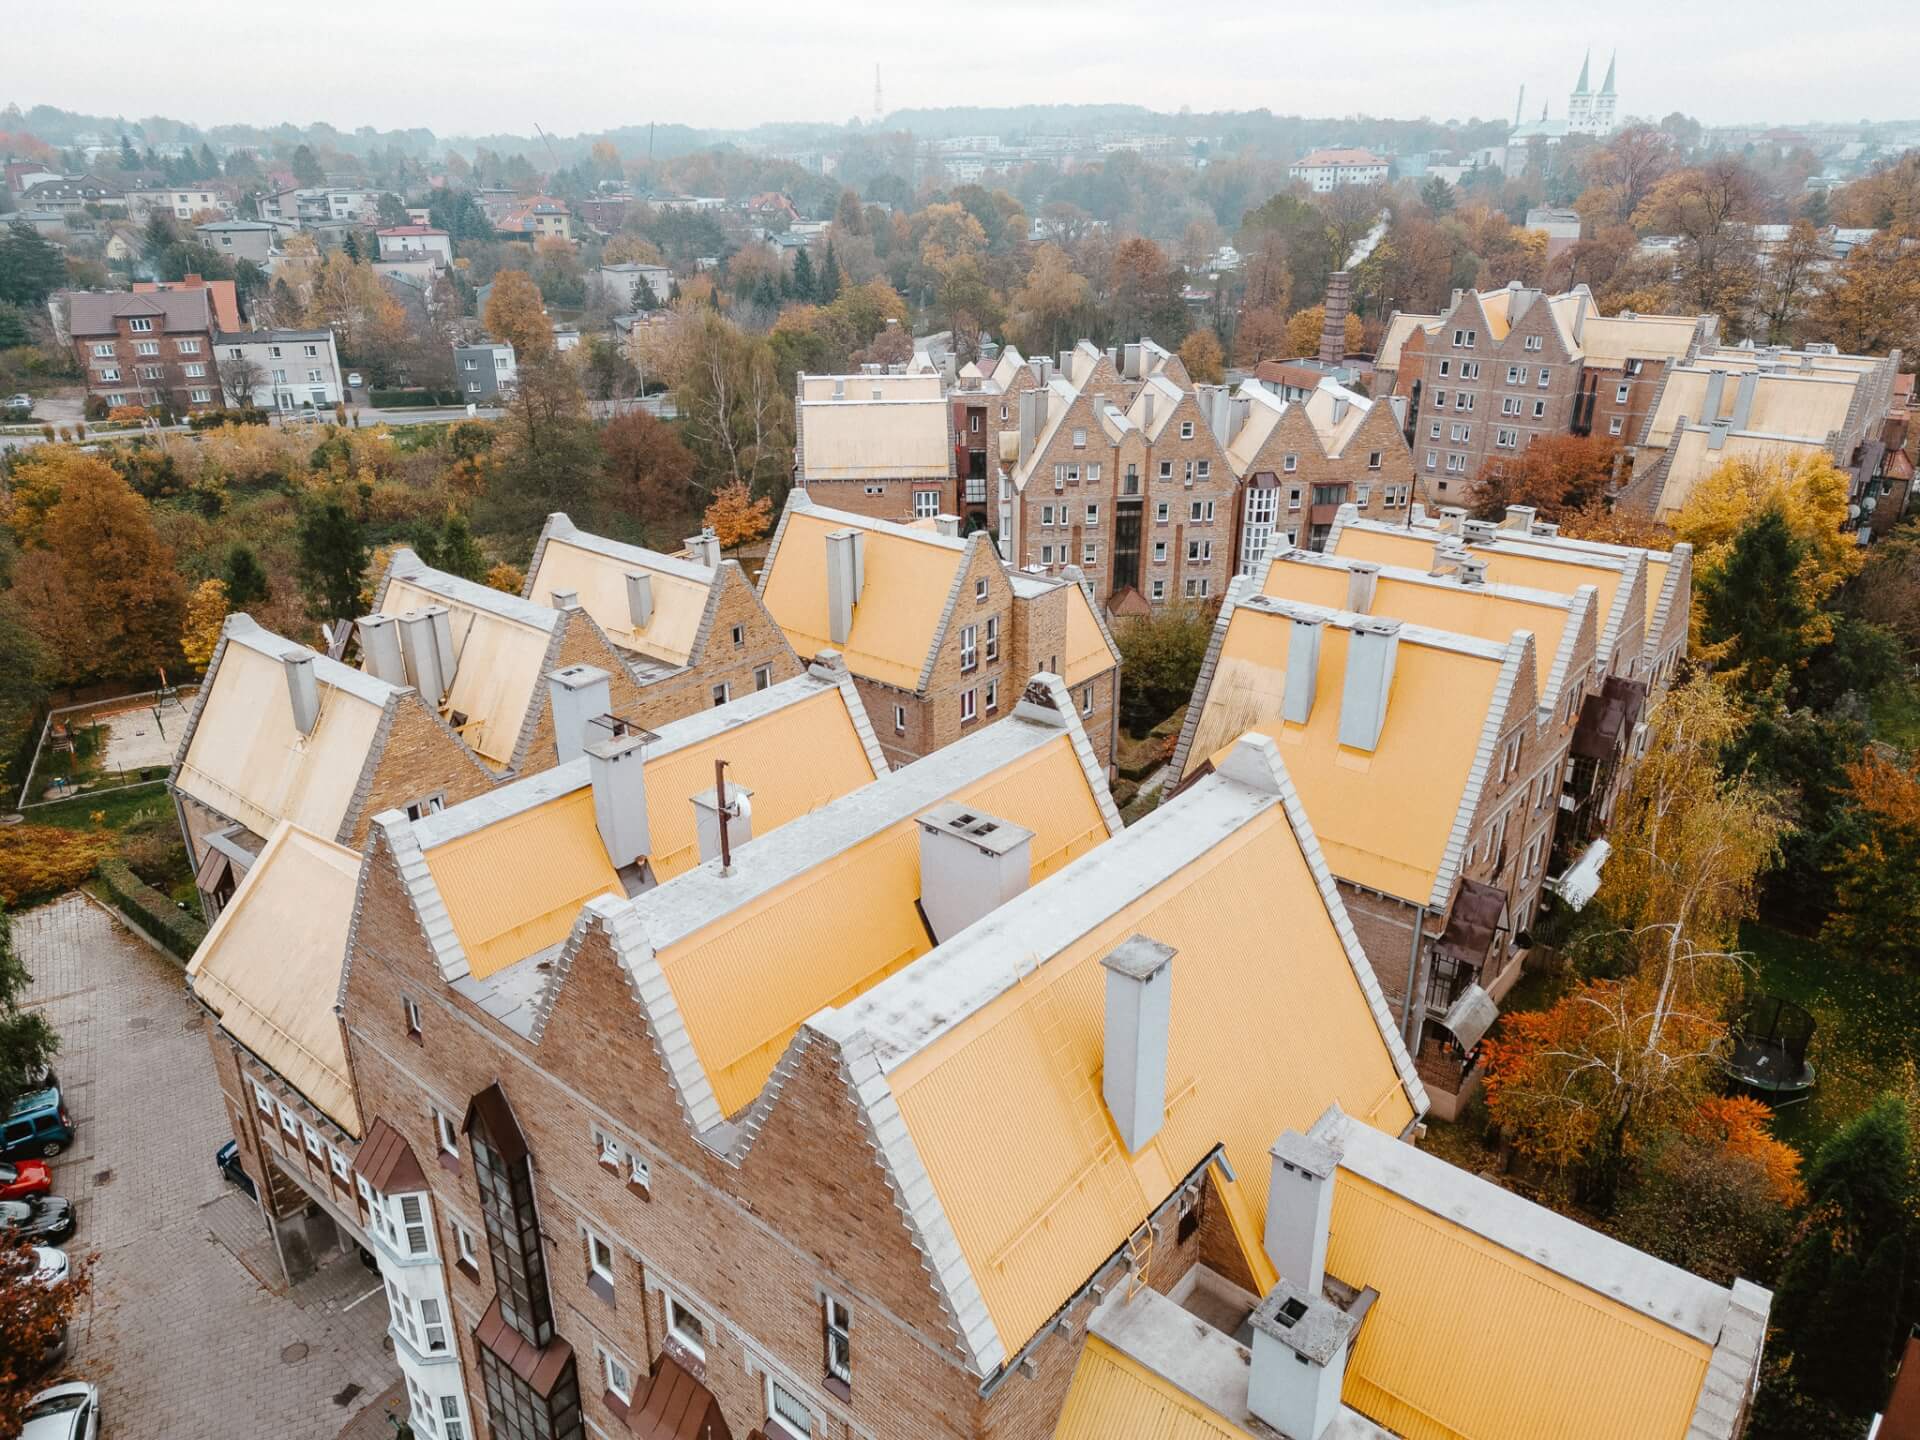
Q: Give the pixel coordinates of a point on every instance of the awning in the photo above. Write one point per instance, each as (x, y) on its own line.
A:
(1581, 882)
(677, 1407)
(1472, 1016)
(541, 1368)
(214, 868)
(386, 1162)
(1476, 916)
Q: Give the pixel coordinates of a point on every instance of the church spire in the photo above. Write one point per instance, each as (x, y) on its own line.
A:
(1582, 87)
(1606, 86)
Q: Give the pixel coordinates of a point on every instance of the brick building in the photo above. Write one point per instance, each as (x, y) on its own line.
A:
(154, 349)
(936, 630)
(1501, 367)
(876, 444)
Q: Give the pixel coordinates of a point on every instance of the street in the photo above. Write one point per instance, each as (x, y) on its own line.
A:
(190, 1331)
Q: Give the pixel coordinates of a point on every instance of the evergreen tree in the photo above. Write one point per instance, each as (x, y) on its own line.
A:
(1437, 196)
(209, 167)
(766, 293)
(13, 326)
(803, 286)
(460, 552)
(333, 561)
(30, 266)
(245, 579)
(1753, 612)
(351, 246)
(129, 160)
(306, 169)
(1818, 211)
(829, 288)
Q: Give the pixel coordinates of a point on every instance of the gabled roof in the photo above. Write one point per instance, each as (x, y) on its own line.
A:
(568, 558)
(1007, 1017)
(242, 754)
(270, 966)
(178, 311)
(1393, 819)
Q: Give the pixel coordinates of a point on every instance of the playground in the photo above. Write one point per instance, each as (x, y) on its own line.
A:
(106, 745)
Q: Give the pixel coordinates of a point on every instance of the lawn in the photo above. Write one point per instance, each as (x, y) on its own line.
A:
(1867, 1035)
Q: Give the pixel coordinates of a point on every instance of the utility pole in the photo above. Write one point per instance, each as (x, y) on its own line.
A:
(878, 109)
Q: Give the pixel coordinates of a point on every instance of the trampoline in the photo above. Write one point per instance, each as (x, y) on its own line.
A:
(1769, 1056)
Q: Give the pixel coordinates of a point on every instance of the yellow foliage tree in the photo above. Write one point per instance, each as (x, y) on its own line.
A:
(516, 315)
(1200, 352)
(206, 612)
(507, 578)
(1303, 331)
(736, 517)
(626, 248)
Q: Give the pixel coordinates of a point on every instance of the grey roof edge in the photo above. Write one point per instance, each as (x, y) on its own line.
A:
(470, 593)
(549, 994)
(1580, 611)
(199, 704)
(797, 499)
(1633, 579)
(862, 722)
(1733, 1374)
(710, 612)
(1264, 748)
(1237, 587)
(633, 951)
(1082, 747)
(1519, 653)
(975, 543)
(550, 528)
(1679, 583)
(540, 699)
(429, 908)
(560, 527)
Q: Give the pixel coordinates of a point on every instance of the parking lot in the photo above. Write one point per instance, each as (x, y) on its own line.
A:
(190, 1331)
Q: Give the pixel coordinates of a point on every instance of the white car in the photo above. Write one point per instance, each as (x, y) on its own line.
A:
(65, 1412)
(50, 1265)
(354, 381)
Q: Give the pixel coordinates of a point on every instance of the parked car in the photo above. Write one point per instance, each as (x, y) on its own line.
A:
(64, 1412)
(228, 1160)
(50, 1265)
(354, 381)
(20, 1179)
(20, 402)
(36, 1123)
(45, 1217)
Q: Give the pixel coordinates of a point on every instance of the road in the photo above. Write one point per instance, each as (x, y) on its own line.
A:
(191, 1331)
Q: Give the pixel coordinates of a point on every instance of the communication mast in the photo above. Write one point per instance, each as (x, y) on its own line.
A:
(878, 110)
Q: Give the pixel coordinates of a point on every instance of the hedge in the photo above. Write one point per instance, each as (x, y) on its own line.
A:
(177, 929)
(212, 419)
(402, 399)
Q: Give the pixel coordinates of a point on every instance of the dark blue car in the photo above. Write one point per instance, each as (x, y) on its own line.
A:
(36, 1124)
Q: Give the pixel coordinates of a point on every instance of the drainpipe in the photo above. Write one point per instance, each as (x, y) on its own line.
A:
(1408, 1030)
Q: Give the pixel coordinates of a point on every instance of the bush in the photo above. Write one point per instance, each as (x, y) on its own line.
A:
(1161, 657)
(38, 862)
(95, 407)
(153, 912)
(213, 419)
(403, 399)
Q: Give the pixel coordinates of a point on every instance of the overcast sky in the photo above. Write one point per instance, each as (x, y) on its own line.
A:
(588, 65)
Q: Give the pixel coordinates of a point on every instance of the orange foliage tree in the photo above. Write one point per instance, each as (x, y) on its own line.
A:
(1877, 898)
(1555, 474)
(736, 517)
(1738, 1125)
(33, 1314)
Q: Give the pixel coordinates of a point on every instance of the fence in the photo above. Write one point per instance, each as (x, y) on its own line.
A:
(116, 705)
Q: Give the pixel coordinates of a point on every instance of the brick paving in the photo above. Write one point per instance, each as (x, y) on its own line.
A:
(190, 1331)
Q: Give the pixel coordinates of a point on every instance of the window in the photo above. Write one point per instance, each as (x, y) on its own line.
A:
(1046, 554)
(1515, 375)
(1159, 590)
(147, 347)
(739, 637)
(1079, 439)
(969, 707)
(1086, 701)
(433, 1326)
(312, 352)
(194, 372)
(513, 1236)
(838, 1320)
(1159, 552)
(1046, 514)
(1198, 551)
(1160, 513)
(619, 1377)
(993, 696)
(431, 805)
(1204, 469)
(1510, 405)
(1469, 369)
(446, 1133)
(686, 1327)
(413, 1219)
(1545, 377)
(899, 719)
(1539, 409)
(189, 347)
(1457, 464)
(926, 504)
(105, 349)
(1290, 464)
(1293, 498)
(450, 1423)
(1186, 429)
(315, 1146)
(1461, 434)
(263, 1099)
(785, 1412)
(289, 1121)
(1373, 459)
(1533, 342)
(599, 1266)
(723, 692)
(1089, 552)
(110, 372)
(1506, 439)
(980, 591)
(515, 1412)
(1003, 412)
(140, 326)
(200, 397)
(993, 637)
(969, 647)
(1196, 589)
(762, 677)
(1093, 511)
(338, 1164)
(1445, 367)
(1433, 457)
(1166, 469)
(973, 421)
(1364, 493)
(1199, 511)
(1621, 393)
(463, 1247)
(1433, 430)
(1463, 401)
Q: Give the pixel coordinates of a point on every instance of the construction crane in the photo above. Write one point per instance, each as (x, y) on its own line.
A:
(550, 152)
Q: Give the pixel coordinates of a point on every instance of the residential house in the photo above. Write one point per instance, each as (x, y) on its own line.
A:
(412, 242)
(182, 202)
(535, 218)
(73, 196)
(876, 444)
(290, 370)
(624, 282)
(238, 239)
(320, 207)
(1328, 169)
(484, 370)
(23, 175)
(152, 349)
(936, 630)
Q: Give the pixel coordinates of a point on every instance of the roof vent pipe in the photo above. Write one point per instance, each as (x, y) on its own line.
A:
(1303, 668)
(566, 599)
(639, 598)
(618, 771)
(579, 694)
(1133, 1073)
(380, 648)
(303, 691)
(1363, 578)
(1372, 647)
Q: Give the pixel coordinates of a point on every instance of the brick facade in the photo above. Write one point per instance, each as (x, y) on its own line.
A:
(141, 350)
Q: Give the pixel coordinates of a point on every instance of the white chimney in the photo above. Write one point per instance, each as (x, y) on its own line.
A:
(706, 820)
(1299, 1209)
(618, 768)
(1133, 1073)
(1451, 519)
(566, 599)
(1520, 518)
(846, 570)
(639, 598)
(1743, 399)
(1303, 669)
(380, 648)
(1372, 647)
(1301, 1341)
(1362, 580)
(704, 548)
(1473, 569)
(971, 864)
(302, 689)
(443, 642)
(580, 694)
(947, 525)
(422, 654)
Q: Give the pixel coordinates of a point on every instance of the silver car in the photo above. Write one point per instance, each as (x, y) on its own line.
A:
(64, 1412)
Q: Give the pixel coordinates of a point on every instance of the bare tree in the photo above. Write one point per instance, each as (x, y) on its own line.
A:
(239, 378)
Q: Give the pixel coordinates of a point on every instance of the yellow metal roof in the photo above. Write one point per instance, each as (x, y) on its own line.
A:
(597, 569)
(1612, 340)
(271, 965)
(1694, 459)
(745, 982)
(250, 762)
(908, 579)
(861, 438)
(1114, 1397)
(1384, 819)
(498, 659)
(1037, 1205)
(1088, 653)
(1470, 1340)
(516, 885)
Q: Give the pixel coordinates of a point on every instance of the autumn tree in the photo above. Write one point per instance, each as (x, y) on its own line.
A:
(629, 248)
(1555, 474)
(516, 315)
(650, 470)
(347, 297)
(1887, 199)
(1050, 304)
(738, 418)
(26, 672)
(1145, 294)
(1206, 363)
(1711, 208)
(1626, 169)
(333, 561)
(1161, 658)
(1876, 916)
(206, 613)
(1787, 284)
(1871, 303)
(1303, 332)
(548, 451)
(736, 517)
(28, 1042)
(101, 585)
(34, 1314)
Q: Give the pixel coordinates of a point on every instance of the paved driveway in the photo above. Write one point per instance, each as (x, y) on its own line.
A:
(191, 1331)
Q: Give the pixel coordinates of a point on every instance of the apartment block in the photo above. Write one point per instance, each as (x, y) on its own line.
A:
(152, 349)
(936, 630)
(876, 444)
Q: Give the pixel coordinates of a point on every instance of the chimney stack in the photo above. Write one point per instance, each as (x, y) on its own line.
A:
(1301, 1341)
(1520, 518)
(1372, 647)
(1133, 1073)
(1452, 517)
(706, 820)
(1303, 668)
(1716, 389)
(846, 573)
(971, 864)
(1363, 578)
(1299, 1209)
(380, 648)
(1473, 569)
(422, 652)
(639, 598)
(566, 599)
(1743, 399)
(303, 691)
(1033, 419)
(579, 694)
(948, 525)
(704, 548)
(618, 768)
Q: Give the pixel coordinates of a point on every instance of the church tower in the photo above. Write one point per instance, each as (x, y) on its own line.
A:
(1580, 102)
(1603, 103)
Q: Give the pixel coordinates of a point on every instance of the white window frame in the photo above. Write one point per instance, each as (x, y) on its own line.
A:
(969, 648)
(675, 1312)
(1622, 393)
(263, 1098)
(837, 1320)
(781, 1423)
(612, 1370)
(140, 325)
(969, 706)
(899, 719)
(993, 696)
(1615, 424)
(926, 504)
(1534, 342)
(445, 1133)
(1159, 589)
(993, 637)
(596, 1266)
(1186, 429)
